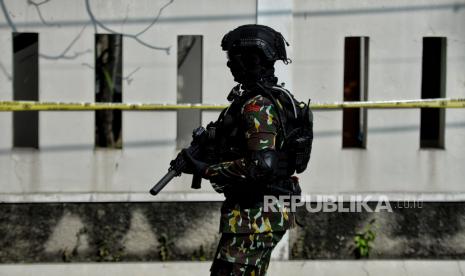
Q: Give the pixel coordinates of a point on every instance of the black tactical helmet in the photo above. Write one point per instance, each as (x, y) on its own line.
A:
(270, 42)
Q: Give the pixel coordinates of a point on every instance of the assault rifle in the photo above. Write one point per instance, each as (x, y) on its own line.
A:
(200, 137)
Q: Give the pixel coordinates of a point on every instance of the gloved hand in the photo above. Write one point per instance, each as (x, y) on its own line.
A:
(194, 166)
(220, 187)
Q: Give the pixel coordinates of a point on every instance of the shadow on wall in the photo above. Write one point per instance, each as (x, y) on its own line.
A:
(163, 143)
(87, 147)
(436, 230)
(108, 232)
(168, 231)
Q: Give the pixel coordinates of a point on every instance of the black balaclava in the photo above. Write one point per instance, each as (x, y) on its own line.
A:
(248, 67)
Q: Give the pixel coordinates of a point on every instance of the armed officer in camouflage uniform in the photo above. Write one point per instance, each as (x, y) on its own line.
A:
(249, 135)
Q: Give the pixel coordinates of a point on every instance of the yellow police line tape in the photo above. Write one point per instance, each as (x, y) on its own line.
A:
(86, 106)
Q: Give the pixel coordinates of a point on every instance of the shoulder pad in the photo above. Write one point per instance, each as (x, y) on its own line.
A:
(258, 101)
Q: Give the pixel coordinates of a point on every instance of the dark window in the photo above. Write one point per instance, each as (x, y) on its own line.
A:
(108, 88)
(355, 89)
(26, 88)
(433, 85)
(189, 86)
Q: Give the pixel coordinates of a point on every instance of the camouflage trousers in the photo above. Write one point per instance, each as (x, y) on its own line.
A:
(244, 254)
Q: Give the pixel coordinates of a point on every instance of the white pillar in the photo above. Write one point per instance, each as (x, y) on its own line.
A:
(277, 14)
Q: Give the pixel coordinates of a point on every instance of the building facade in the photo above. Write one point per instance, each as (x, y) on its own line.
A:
(394, 45)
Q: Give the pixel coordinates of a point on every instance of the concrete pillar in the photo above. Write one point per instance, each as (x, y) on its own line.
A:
(277, 14)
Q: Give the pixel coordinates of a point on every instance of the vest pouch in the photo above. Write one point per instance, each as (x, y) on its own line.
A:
(302, 149)
(298, 148)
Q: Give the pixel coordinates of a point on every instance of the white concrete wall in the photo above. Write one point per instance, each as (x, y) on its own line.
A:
(67, 163)
(67, 168)
(392, 160)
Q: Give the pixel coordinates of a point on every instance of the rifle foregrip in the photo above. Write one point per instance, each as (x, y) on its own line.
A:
(196, 181)
(162, 183)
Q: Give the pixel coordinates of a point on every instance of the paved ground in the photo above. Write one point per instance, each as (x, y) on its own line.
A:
(294, 268)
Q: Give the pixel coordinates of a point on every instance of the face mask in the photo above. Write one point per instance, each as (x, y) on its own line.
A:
(245, 67)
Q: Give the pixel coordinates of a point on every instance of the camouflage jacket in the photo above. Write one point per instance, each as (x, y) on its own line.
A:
(259, 116)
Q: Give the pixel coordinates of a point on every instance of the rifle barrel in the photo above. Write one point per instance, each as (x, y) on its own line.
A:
(162, 183)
